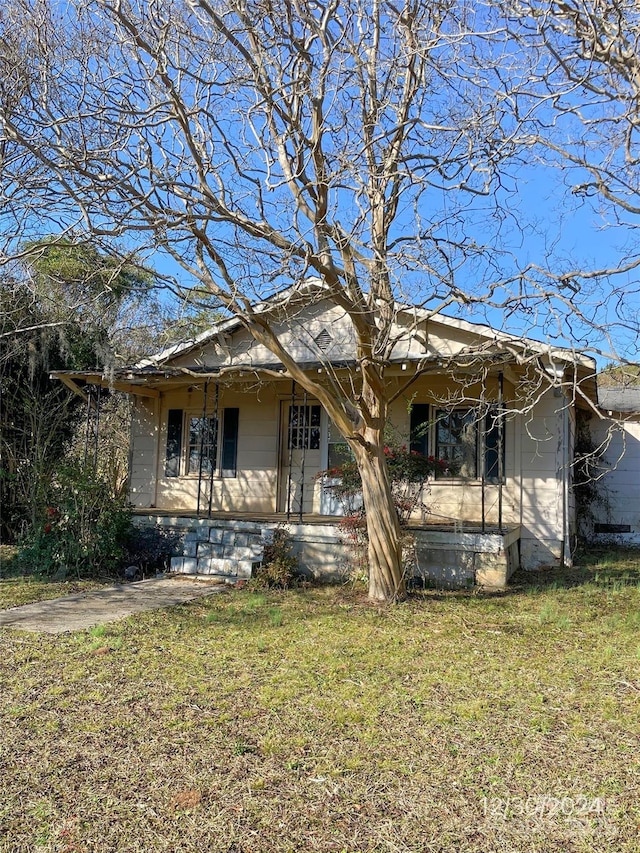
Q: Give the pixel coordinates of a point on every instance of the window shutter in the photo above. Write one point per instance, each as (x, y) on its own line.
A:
(420, 428)
(174, 443)
(229, 460)
(493, 465)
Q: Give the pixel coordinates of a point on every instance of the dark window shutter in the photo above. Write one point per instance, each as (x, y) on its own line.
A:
(174, 443)
(420, 428)
(493, 444)
(229, 460)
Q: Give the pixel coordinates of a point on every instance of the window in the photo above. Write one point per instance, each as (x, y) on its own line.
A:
(203, 444)
(338, 451)
(304, 427)
(454, 434)
(457, 440)
(193, 446)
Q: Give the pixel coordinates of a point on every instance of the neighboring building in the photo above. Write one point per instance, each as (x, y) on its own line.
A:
(617, 436)
(224, 444)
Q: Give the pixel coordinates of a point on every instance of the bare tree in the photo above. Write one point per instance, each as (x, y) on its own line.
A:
(584, 59)
(366, 144)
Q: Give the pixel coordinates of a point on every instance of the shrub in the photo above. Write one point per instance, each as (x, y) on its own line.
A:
(84, 531)
(279, 568)
(151, 548)
(409, 473)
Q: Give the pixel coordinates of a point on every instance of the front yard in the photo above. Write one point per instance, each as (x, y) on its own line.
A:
(311, 721)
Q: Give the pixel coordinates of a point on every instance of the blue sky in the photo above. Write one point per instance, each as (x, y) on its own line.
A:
(564, 232)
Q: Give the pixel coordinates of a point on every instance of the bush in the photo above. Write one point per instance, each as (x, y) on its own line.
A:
(151, 548)
(279, 568)
(84, 531)
(409, 473)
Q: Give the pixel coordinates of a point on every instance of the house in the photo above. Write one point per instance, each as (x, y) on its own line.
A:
(225, 445)
(615, 438)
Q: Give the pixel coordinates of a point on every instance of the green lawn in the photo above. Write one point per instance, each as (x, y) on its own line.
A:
(310, 721)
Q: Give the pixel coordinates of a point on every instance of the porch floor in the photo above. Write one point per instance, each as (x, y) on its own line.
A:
(315, 518)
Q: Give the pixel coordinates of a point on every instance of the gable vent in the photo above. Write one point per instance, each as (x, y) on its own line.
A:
(323, 340)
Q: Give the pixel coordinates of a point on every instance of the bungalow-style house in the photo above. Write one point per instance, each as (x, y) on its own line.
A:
(225, 446)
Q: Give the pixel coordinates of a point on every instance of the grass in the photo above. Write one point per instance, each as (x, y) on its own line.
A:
(313, 721)
(17, 590)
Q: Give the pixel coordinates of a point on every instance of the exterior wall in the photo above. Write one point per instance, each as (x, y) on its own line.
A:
(458, 499)
(320, 552)
(253, 489)
(619, 485)
(544, 471)
(229, 548)
(450, 559)
(297, 333)
(143, 452)
(299, 330)
(535, 495)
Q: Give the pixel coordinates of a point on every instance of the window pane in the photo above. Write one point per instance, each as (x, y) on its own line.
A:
(304, 427)
(420, 428)
(230, 443)
(338, 451)
(456, 440)
(202, 445)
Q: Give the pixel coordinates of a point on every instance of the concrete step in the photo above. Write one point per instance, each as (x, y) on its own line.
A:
(224, 566)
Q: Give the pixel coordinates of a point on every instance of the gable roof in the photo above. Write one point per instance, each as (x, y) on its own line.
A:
(295, 305)
(318, 332)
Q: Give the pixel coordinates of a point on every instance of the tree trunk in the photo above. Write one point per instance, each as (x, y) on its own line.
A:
(386, 579)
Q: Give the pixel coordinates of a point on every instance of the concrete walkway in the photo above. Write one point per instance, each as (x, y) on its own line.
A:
(86, 609)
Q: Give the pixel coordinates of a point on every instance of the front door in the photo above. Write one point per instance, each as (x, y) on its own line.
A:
(300, 455)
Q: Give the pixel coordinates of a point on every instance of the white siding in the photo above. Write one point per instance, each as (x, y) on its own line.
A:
(536, 462)
(144, 438)
(620, 484)
(544, 464)
(254, 487)
(299, 330)
(449, 500)
(537, 454)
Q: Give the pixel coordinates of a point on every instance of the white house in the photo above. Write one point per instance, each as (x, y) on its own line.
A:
(225, 445)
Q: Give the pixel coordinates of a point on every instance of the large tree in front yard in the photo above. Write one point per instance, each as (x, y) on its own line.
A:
(365, 143)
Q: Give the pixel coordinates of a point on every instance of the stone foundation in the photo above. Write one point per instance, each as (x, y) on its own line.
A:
(453, 559)
(230, 548)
